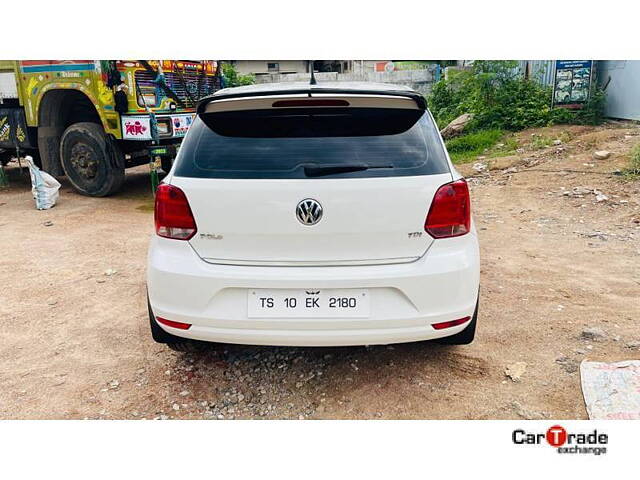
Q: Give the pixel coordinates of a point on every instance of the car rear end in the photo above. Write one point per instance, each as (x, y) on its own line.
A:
(313, 216)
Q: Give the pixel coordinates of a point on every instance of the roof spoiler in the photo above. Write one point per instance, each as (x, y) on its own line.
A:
(415, 96)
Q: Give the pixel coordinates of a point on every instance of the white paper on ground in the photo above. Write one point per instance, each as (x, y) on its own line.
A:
(611, 390)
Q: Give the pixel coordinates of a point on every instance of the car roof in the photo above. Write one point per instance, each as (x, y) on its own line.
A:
(289, 88)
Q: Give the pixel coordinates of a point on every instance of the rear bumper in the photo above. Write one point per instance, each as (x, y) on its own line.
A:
(406, 299)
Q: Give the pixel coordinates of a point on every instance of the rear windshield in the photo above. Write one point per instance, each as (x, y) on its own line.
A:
(318, 143)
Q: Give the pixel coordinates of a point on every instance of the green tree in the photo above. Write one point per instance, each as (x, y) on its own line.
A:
(233, 79)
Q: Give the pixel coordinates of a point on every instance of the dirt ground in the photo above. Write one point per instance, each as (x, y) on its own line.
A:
(75, 340)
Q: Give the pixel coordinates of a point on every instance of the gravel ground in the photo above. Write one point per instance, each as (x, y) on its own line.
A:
(560, 281)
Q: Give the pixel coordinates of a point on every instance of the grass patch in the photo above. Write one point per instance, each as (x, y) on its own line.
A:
(634, 166)
(484, 142)
(541, 141)
(565, 137)
(633, 171)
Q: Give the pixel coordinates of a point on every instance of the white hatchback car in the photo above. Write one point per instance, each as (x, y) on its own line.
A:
(313, 215)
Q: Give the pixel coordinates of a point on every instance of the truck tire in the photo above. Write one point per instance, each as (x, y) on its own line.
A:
(92, 162)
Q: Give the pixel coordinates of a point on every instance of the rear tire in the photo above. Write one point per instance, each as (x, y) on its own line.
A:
(92, 162)
(466, 336)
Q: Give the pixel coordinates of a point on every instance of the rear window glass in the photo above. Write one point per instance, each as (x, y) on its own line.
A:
(318, 143)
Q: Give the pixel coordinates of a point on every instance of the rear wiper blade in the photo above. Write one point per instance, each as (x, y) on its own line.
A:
(321, 170)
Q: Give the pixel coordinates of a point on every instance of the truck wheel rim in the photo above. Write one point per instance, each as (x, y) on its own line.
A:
(84, 161)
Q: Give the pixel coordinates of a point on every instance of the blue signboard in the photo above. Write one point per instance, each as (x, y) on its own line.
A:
(572, 83)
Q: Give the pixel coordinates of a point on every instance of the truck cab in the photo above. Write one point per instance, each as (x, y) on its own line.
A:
(92, 119)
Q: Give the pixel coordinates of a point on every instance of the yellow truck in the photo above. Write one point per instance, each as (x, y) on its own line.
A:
(92, 119)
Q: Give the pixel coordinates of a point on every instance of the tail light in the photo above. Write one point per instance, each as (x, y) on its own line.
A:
(450, 212)
(173, 323)
(450, 323)
(172, 214)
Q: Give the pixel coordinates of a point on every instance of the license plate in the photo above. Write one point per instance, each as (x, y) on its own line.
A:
(306, 303)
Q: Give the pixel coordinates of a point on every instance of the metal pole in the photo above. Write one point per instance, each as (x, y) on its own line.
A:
(154, 161)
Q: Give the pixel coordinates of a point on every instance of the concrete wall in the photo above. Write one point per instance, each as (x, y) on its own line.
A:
(419, 80)
(362, 66)
(259, 67)
(622, 80)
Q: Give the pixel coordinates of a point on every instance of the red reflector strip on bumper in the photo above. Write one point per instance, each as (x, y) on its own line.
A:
(172, 324)
(450, 323)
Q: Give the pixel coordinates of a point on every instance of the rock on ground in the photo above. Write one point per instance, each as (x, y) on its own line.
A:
(457, 126)
(515, 371)
(601, 154)
(527, 413)
(594, 334)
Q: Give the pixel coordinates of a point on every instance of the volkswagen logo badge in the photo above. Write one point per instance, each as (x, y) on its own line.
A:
(309, 211)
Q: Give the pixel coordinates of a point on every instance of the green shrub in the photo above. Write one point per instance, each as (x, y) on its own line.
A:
(593, 111)
(446, 102)
(500, 98)
(563, 116)
(233, 79)
(515, 105)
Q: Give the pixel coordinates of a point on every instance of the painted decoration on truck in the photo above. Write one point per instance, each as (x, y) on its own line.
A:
(34, 66)
(5, 129)
(136, 127)
(13, 128)
(572, 84)
(181, 124)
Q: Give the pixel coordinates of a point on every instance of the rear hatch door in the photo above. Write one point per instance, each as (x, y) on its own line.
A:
(311, 186)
